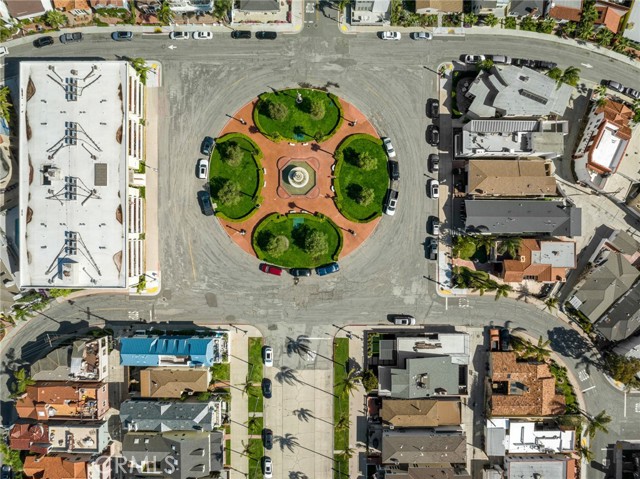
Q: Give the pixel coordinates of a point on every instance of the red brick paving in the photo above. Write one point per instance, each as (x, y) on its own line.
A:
(323, 203)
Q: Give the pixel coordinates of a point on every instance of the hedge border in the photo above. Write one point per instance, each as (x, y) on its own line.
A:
(277, 138)
(257, 158)
(280, 217)
(338, 156)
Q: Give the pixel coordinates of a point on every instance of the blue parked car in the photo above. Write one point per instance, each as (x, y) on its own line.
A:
(327, 269)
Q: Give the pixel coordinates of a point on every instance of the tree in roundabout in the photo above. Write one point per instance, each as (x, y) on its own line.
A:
(298, 115)
(361, 178)
(297, 240)
(236, 176)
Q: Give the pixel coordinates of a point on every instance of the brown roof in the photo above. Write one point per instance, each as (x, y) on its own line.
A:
(53, 467)
(610, 15)
(171, 383)
(617, 114)
(21, 8)
(30, 437)
(514, 270)
(420, 412)
(566, 13)
(69, 5)
(449, 6)
(69, 400)
(511, 178)
(522, 388)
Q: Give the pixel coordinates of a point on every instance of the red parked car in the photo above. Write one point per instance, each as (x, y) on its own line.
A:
(267, 268)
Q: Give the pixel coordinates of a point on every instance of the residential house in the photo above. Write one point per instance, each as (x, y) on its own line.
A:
(511, 91)
(259, 5)
(157, 453)
(420, 367)
(55, 467)
(81, 401)
(84, 360)
(632, 28)
(622, 320)
(510, 178)
(630, 347)
(603, 144)
(185, 6)
(110, 4)
(60, 437)
(30, 437)
(504, 436)
(370, 12)
(541, 261)
(522, 388)
(170, 416)
(493, 7)
(522, 217)
(422, 471)
(566, 10)
(69, 5)
(523, 8)
(530, 466)
(495, 138)
(438, 6)
(23, 9)
(173, 351)
(173, 383)
(611, 15)
(424, 446)
(420, 412)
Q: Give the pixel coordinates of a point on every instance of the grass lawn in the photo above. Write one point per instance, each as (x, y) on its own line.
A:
(289, 226)
(255, 400)
(227, 452)
(341, 402)
(340, 467)
(247, 174)
(255, 429)
(349, 176)
(221, 372)
(457, 76)
(298, 125)
(255, 360)
(255, 454)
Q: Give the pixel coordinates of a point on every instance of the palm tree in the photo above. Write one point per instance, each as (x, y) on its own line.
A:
(598, 423)
(600, 90)
(5, 105)
(141, 68)
(246, 386)
(349, 384)
(484, 241)
(589, 12)
(541, 350)
(585, 31)
(23, 381)
(601, 101)
(471, 18)
(246, 448)
(348, 453)
(620, 43)
(585, 452)
(604, 37)
(341, 5)
(252, 422)
(551, 303)
(342, 423)
(571, 76)
(491, 20)
(55, 19)
(547, 25)
(569, 28)
(510, 245)
(165, 14)
(528, 24)
(221, 8)
(555, 74)
(502, 290)
(485, 65)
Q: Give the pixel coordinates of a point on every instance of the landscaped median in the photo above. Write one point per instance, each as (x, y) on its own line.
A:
(340, 408)
(236, 177)
(361, 177)
(253, 448)
(297, 240)
(279, 115)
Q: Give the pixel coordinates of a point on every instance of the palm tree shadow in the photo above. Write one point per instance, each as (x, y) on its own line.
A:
(287, 375)
(303, 414)
(288, 440)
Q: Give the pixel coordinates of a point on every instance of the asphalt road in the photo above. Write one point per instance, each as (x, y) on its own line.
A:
(207, 279)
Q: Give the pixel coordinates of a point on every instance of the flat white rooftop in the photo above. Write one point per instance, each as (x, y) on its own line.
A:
(524, 438)
(559, 254)
(73, 174)
(609, 149)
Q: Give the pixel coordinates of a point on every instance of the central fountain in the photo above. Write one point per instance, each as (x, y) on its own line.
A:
(298, 177)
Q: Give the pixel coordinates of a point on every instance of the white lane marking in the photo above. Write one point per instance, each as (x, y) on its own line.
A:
(588, 389)
(583, 375)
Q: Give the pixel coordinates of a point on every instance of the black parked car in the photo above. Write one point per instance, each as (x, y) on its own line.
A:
(241, 34)
(394, 170)
(266, 388)
(267, 438)
(208, 144)
(545, 65)
(434, 162)
(298, 272)
(433, 108)
(43, 42)
(433, 135)
(205, 203)
(266, 35)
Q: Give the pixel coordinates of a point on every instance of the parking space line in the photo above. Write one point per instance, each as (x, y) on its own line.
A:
(588, 389)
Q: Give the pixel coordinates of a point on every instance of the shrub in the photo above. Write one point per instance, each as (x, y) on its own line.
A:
(365, 196)
(230, 193)
(317, 109)
(365, 161)
(277, 245)
(277, 111)
(464, 247)
(315, 243)
(232, 154)
(369, 381)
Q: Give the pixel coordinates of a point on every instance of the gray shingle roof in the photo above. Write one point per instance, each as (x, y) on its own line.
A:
(623, 319)
(523, 216)
(605, 285)
(424, 377)
(167, 416)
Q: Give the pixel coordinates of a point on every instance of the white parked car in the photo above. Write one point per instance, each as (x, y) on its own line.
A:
(474, 59)
(202, 35)
(391, 36)
(391, 153)
(422, 36)
(203, 168)
(434, 189)
(267, 356)
(179, 35)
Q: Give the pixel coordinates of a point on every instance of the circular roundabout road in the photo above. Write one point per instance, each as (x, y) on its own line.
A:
(207, 279)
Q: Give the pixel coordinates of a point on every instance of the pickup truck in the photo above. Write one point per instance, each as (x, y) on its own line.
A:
(494, 338)
(71, 37)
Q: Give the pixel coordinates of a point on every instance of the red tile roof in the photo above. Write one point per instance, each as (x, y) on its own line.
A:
(51, 467)
(30, 437)
(610, 15)
(566, 13)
